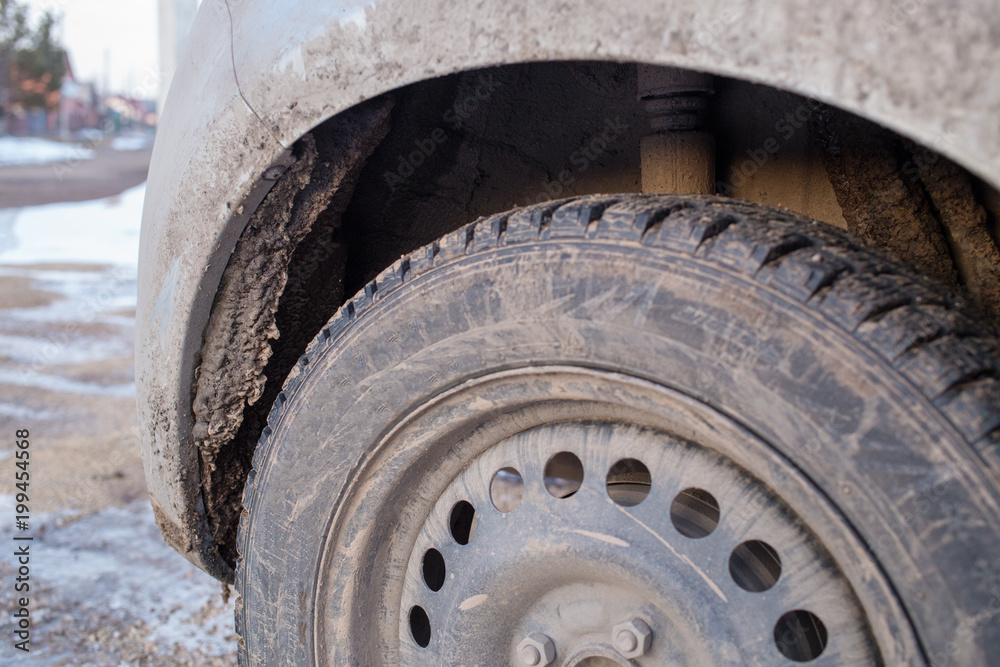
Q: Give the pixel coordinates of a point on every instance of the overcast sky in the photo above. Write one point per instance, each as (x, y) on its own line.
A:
(126, 29)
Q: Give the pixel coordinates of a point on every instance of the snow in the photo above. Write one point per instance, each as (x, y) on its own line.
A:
(37, 380)
(23, 413)
(97, 244)
(33, 150)
(23, 346)
(103, 231)
(114, 564)
(106, 589)
(89, 296)
(131, 142)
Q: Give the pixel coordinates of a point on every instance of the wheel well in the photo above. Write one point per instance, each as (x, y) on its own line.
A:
(399, 171)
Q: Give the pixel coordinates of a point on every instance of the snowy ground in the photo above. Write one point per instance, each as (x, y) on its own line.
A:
(34, 150)
(105, 588)
(134, 141)
(108, 591)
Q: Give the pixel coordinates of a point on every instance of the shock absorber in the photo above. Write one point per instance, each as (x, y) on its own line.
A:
(678, 156)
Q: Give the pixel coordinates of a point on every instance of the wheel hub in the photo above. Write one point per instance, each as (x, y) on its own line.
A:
(601, 544)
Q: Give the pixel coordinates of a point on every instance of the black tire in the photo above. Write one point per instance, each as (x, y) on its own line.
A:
(875, 397)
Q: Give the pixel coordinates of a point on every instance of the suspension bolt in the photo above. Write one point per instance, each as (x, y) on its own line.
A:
(275, 172)
(632, 638)
(536, 650)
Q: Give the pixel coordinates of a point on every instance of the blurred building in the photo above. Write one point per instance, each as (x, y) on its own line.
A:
(73, 107)
(78, 104)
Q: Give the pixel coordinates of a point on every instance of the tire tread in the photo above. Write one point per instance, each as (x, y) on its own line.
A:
(919, 328)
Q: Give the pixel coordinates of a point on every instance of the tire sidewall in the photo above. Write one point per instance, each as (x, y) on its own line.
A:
(869, 441)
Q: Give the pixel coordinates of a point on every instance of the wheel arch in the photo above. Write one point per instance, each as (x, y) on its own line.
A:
(238, 107)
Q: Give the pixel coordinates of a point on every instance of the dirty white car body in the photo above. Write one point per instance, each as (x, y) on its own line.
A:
(257, 76)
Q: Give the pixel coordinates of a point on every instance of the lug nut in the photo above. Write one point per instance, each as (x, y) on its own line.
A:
(536, 650)
(626, 641)
(632, 638)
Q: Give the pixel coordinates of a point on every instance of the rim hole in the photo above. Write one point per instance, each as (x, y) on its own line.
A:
(695, 513)
(800, 635)
(628, 482)
(755, 566)
(506, 489)
(463, 522)
(420, 627)
(563, 474)
(434, 569)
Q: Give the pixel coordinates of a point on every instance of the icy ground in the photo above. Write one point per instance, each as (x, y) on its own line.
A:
(34, 150)
(135, 141)
(109, 591)
(102, 232)
(105, 588)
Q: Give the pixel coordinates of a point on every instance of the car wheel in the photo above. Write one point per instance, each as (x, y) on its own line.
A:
(631, 430)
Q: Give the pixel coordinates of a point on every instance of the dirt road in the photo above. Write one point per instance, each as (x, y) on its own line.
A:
(110, 173)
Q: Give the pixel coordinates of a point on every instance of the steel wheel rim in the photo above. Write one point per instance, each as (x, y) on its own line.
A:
(600, 394)
(571, 564)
